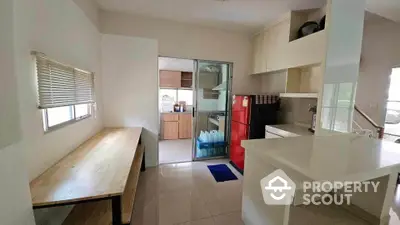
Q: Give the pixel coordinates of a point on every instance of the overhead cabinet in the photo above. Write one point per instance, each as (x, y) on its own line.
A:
(170, 79)
(259, 53)
(279, 47)
(175, 79)
(309, 50)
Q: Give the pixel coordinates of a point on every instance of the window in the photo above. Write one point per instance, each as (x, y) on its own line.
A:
(185, 95)
(56, 116)
(82, 111)
(176, 95)
(169, 93)
(59, 116)
(65, 94)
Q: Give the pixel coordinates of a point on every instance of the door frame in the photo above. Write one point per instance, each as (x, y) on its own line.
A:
(194, 114)
(228, 106)
(159, 108)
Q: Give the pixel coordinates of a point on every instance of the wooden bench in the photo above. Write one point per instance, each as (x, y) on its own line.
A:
(106, 167)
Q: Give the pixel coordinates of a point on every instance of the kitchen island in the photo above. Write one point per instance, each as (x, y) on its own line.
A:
(337, 158)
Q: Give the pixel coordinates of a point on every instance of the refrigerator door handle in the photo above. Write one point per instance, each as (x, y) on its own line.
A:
(193, 111)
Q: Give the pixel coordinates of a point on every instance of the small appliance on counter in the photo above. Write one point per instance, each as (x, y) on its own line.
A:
(313, 109)
(180, 107)
(250, 114)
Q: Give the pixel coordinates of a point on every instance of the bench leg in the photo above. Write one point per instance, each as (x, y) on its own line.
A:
(116, 210)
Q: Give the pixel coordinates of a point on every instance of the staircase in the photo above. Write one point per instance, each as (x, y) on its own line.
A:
(376, 131)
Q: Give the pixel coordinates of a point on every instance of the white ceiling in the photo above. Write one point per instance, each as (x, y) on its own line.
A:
(386, 8)
(240, 15)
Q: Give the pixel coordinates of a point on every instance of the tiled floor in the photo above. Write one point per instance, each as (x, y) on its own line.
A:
(173, 151)
(187, 194)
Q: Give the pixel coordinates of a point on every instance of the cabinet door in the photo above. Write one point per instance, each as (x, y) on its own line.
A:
(257, 52)
(277, 42)
(170, 117)
(185, 126)
(171, 130)
(170, 79)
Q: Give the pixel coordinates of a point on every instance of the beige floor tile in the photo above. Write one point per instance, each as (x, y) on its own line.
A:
(229, 219)
(207, 221)
(146, 214)
(223, 206)
(184, 193)
(173, 151)
(178, 207)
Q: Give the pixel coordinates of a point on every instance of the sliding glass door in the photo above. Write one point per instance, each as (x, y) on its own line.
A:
(211, 110)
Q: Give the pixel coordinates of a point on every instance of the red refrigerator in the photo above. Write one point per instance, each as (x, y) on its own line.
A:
(250, 114)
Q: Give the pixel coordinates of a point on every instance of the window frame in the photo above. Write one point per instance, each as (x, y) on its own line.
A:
(74, 119)
(177, 93)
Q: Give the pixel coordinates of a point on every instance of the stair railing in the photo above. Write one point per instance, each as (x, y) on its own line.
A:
(379, 129)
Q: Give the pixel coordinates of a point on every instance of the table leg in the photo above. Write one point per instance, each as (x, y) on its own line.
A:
(143, 166)
(116, 210)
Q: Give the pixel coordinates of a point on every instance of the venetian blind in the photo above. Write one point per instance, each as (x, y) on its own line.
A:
(62, 85)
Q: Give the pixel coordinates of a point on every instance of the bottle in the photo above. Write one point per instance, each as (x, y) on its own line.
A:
(176, 107)
(201, 137)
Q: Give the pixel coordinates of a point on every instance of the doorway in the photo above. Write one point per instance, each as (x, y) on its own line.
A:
(194, 109)
(392, 120)
(212, 109)
(175, 109)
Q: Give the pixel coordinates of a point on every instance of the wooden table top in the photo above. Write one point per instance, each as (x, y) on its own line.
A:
(99, 168)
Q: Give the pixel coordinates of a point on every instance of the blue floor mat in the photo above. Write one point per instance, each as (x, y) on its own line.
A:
(222, 173)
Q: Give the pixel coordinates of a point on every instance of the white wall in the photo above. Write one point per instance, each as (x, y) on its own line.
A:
(189, 41)
(380, 53)
(61, 30)
(15, 199)
(130, 87)
(9, 115)
(91, 10)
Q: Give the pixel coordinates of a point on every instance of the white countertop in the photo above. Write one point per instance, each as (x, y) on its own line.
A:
(335, 158)
(288, 130)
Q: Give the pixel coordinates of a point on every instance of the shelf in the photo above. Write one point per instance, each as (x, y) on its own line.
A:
(298, 95)
(299, 17)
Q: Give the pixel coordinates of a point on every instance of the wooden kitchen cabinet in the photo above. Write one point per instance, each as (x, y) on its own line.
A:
(185, 126)
(170, 117)
(171, 130)
(170, 79)
(176, 126)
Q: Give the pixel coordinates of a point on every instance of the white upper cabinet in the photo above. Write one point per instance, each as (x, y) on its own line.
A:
(278, 47)
(309, 50)
(259, 50)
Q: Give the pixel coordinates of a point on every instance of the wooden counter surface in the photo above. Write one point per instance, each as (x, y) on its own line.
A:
(97, 169)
